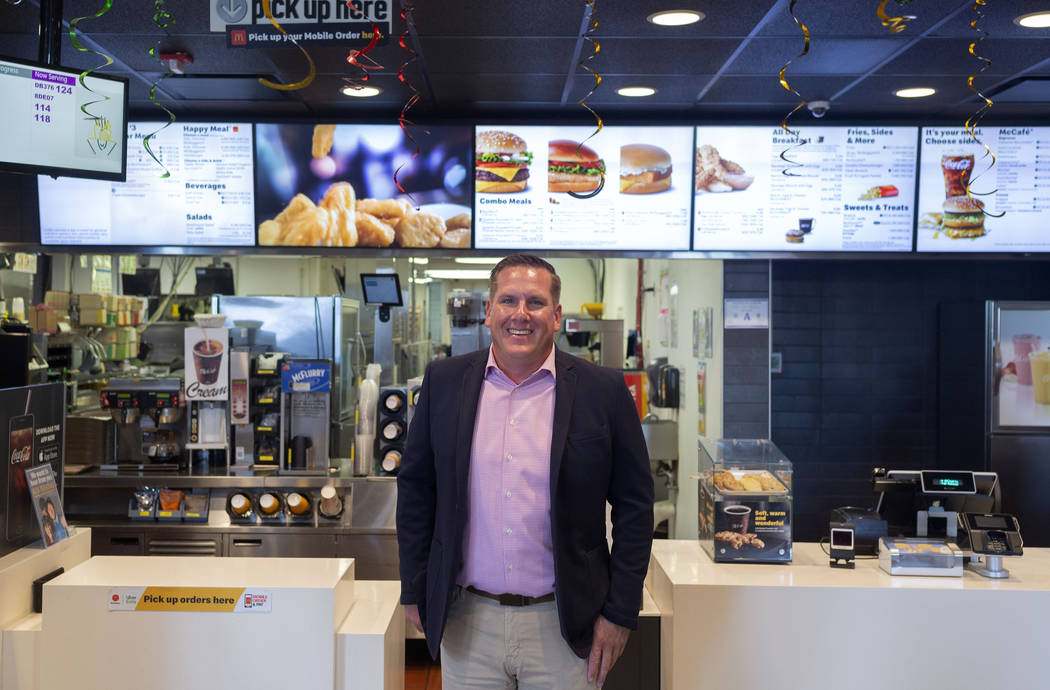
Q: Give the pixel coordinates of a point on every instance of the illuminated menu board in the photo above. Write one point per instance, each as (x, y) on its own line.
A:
(851, 190)
(45, 130)
(1007, 206)
(206, 200)
(626, 188)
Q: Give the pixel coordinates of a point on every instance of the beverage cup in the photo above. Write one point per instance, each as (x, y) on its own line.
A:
(956, 168)
(737, 518)
(1024, 344)
(805, 225)
(1040, 363)
(207, 358)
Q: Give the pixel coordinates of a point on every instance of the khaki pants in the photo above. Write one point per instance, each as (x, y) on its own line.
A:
(488, 647)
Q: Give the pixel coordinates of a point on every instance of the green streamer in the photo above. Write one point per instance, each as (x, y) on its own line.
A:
(163, 19)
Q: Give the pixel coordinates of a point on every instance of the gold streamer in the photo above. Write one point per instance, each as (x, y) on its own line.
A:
(163, 19)
(109, 61)
(894, 24)
(791, 165)
(313, 68)
(973, 120)
(597, 81)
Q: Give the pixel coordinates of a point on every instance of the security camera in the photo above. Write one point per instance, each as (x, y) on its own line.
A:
(819, 108)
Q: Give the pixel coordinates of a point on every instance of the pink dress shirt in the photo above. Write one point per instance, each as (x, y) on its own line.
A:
(507, 545)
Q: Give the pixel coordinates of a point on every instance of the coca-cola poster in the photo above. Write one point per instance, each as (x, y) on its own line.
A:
(34, 418)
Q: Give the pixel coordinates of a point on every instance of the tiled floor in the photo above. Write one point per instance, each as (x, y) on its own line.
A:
(421, 672)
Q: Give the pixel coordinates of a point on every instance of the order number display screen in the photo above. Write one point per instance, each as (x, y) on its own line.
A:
(54, 123)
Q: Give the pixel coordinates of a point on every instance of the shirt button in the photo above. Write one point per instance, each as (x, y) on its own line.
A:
(513, 422)
(508, 530)
(509, 456)
(510, 567)
(508, 494)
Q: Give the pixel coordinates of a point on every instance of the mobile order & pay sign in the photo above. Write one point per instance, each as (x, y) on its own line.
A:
(201, 599)
(318, 22)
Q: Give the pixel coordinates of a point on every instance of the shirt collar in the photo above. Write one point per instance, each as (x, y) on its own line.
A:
(548, 366)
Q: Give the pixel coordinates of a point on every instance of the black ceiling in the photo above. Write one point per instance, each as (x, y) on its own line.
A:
(517, 59)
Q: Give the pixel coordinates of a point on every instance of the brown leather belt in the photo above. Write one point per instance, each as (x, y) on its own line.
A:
(511, 599)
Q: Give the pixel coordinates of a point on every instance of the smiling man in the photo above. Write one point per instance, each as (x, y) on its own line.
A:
(512, 455)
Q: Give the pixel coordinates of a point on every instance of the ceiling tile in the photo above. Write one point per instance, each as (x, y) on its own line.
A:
(951, 56)
(745, 90)
(662, 56)
(825, 56)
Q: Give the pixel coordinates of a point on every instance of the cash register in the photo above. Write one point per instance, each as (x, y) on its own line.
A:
(950, 513)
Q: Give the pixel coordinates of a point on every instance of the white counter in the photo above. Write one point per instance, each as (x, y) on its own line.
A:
(289, 641)
(806, 625)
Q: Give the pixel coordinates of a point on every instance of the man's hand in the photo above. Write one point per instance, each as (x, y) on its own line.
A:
(609, 641)
(412, 614)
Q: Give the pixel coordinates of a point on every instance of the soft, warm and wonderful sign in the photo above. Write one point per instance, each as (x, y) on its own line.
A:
(201, 599)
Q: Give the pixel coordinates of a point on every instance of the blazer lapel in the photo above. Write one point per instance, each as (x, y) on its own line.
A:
(468, 412)
(564, 392)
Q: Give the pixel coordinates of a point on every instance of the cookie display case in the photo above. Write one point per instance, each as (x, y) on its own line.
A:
(744, 501)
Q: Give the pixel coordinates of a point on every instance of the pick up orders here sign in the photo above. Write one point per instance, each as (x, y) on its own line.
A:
(200, 599)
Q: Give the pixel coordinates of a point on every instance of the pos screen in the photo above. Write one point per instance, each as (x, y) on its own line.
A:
(381, 288)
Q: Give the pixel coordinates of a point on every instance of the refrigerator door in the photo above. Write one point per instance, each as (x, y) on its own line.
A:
(1018, 367)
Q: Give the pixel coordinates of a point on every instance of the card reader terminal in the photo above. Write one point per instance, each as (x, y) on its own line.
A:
(993, 536)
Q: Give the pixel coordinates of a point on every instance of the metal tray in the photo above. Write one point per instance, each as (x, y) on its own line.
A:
(759, 475)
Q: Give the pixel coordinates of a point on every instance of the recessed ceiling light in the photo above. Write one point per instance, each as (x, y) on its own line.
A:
(917, 92)
(1035, 20)
(676, 17)
(361, 91)
(636, 91)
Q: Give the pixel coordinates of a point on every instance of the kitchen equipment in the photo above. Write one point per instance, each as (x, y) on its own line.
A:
(840, 545)
(466, 310)
(920, 556)
(867, 527)
(599, 340)
(305, 400)
(148, 414)
(308, 327)
(916, 502)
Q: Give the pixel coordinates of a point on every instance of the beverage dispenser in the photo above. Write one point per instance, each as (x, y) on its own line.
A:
(306, 386)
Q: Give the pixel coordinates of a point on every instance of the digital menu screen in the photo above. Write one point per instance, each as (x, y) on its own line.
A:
(45, 130)
(625, 188)
(846, 189)
(334, 186)
(205, 200)
(1008, 202)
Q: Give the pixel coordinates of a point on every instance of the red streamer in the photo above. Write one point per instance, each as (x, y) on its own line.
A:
(356, 56)
(406, 16)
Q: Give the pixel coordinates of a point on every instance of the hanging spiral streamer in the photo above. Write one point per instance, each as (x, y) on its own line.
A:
(356, 56)
(894, 24)
(972, 122)
(109, 61)
(791, 165)
(313, 68)
(163, 19)
(14, 2)
(597, 81)
(406, 16)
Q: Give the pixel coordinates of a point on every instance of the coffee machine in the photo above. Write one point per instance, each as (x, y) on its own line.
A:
(466, 308)
(148, 417)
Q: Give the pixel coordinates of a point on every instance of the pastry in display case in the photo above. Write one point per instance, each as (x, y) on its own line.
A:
(745, 501)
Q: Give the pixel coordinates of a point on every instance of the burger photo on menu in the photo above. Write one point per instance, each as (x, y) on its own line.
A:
(501, 162)
(963, 217)
(644, 169)
(572, 167)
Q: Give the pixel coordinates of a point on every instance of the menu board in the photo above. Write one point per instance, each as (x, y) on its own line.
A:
(206, 199)
(363, 186)
(44, 129)
(847, 189)
(1008, 202)
(625, 188)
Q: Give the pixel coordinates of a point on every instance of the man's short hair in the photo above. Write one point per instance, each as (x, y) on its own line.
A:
(532, 262)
